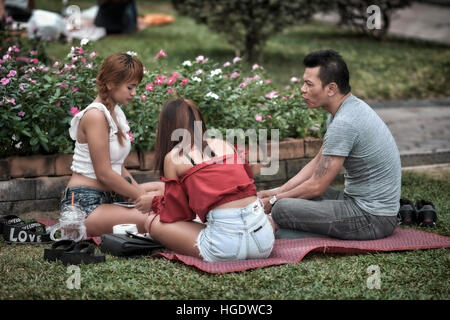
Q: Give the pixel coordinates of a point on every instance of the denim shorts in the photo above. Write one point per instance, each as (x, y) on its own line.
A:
(236, 233)
(85, 197)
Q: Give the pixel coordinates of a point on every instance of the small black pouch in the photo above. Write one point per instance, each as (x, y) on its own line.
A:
(129, 245)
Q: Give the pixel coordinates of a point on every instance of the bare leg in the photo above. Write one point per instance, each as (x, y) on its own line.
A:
(104, 217)
(180, 236)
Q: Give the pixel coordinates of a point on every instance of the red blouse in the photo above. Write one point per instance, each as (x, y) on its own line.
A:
(204, 187)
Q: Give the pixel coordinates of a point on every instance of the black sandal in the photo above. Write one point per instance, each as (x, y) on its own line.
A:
(26, 233)
(82, 252)
(58, 248)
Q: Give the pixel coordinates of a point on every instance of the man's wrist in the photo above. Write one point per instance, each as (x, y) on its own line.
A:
(273, 199)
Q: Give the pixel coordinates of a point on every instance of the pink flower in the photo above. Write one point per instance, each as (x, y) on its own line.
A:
(80, 51)
(269, 117)
(74, 89)
(34, 60)
(4, 81)
(149, 87)
(21, 113)
(161, 53)
(171, 80)
(143, 97)
(12, 73)
(184, 81)
(58, 103)
(201, 59)
(236, 59)
(227, 64)
(21, 87)
(130, 135)
(74, 110)
(93, 54)
(12, 100)
(64, 85)
(175, 75)
(83, 60)
(33, 52)
(160, 79)
(234, 75)
(258, 118)
(171, 91)
(272, 95)
(243, 85)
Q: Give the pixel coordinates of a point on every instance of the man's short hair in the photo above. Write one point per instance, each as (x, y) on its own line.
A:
(332, 68)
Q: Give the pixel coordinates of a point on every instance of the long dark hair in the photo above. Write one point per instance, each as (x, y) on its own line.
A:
(178, 114)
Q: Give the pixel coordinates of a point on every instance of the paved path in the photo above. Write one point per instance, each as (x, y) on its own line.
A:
(418, 129)
(419, 21)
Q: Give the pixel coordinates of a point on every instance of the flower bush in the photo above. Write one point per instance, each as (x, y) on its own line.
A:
(229, 97)
(39, 99)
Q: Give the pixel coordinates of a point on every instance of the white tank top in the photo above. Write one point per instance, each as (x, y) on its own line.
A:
(82, 162)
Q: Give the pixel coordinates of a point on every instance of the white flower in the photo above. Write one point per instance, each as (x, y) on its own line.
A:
(84, 41)
(196, 79)
(132, 53)
(294, 79)
(187, 63)
(199, 71)
(255, 66)
(216, 72)
(212, 95)
(227, 64)
(199, 58)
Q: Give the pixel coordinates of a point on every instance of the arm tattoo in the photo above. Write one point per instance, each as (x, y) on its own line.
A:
(323, 166)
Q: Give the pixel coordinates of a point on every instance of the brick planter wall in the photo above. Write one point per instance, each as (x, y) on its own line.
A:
(34, 184)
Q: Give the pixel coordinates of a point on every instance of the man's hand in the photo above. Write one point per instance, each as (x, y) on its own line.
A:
(267, 205)
(266, 193)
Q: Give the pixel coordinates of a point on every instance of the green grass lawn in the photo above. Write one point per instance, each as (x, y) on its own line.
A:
(421, 274)
(391, 69)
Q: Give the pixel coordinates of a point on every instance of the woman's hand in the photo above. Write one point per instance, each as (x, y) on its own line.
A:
(144, 202)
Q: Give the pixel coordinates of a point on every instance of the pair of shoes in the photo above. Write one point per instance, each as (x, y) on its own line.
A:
(71, 252)
(422, 213)
(15, 230)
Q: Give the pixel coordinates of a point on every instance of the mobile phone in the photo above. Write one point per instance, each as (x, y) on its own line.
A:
(125, 204)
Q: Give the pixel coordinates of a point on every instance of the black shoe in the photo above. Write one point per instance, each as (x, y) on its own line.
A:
(426, 211)
(407, 215)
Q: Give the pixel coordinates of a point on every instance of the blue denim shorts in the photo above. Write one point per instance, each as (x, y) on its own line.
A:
(85, 197)
(236, 233)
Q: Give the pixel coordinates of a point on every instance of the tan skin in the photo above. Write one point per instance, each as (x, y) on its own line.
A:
(317, 175)
(94, 130)
(181, 236)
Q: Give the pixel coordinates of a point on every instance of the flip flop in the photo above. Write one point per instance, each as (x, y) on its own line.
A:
(82, 253)
(25, 233)
(58, 248)
(9, 219)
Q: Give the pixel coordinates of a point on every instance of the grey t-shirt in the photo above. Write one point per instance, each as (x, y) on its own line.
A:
(372, 164)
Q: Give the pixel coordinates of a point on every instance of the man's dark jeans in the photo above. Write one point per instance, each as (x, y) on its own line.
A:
(333, 214)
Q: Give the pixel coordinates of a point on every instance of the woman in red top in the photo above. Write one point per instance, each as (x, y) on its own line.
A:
(204, 178)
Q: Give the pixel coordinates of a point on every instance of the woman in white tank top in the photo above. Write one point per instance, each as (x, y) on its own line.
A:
(101, 146)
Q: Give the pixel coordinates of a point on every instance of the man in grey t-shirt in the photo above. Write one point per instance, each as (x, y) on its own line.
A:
(356, 139)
